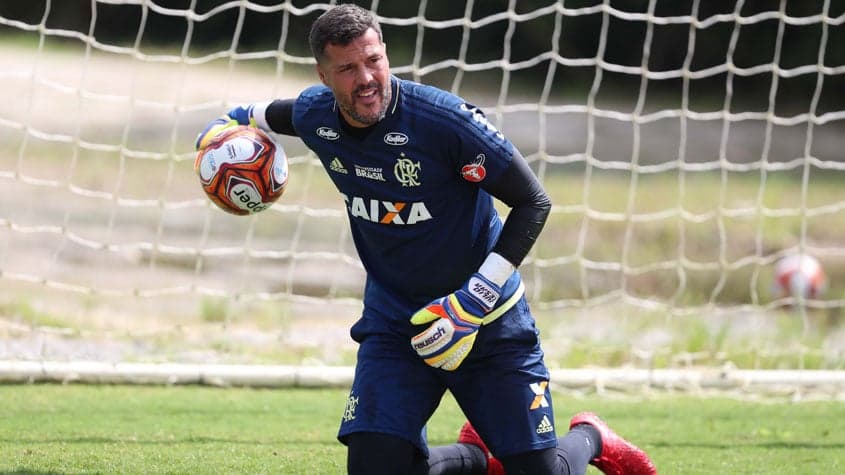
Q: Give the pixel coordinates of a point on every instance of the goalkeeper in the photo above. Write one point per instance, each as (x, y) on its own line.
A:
(443, 303)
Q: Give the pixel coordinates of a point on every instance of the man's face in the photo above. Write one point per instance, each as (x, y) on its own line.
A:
(359, 76)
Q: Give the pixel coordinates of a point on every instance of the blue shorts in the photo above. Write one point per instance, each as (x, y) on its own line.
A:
(502, 386)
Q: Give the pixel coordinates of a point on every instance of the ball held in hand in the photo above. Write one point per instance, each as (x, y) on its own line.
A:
(242, 170)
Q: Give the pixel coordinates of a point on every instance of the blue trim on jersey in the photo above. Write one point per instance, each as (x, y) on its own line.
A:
(420, 226)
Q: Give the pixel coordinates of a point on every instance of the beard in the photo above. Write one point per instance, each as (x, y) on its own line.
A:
(348, 106)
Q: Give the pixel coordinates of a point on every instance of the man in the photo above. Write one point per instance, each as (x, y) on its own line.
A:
(443, 303)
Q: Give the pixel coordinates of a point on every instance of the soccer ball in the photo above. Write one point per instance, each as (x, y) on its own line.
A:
(799, 275)
(242, 170)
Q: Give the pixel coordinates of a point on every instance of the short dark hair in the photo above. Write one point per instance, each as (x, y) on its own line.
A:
(340, 25)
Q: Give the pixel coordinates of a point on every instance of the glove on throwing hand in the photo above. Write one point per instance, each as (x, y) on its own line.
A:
(237, 116)
(454, 322)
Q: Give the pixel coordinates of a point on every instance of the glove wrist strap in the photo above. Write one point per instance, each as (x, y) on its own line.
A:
(259, 114)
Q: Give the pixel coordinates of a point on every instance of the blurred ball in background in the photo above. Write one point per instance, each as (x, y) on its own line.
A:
(799, 275)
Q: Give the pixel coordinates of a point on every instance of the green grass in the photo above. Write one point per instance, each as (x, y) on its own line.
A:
(195, 430)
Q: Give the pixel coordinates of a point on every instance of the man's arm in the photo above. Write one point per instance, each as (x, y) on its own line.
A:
(456, 318)
(277, 116)
(520, 189)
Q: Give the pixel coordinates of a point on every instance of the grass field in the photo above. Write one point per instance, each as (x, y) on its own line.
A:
(77, 429)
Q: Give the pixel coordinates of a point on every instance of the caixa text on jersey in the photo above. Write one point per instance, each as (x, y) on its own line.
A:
(387, 212)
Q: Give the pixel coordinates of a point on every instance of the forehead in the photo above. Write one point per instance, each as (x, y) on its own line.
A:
(358, 49)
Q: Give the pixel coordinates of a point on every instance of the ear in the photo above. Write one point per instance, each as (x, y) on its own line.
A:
(321, 74)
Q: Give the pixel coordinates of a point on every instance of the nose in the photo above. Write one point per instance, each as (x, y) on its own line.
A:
(363, 75)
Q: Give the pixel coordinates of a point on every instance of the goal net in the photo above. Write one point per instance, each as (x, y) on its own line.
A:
(688, 147)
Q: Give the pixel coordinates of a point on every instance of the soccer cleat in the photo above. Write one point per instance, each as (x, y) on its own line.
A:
(618, 456)
(468, 435)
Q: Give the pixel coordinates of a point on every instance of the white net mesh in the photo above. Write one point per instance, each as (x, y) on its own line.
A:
(687, 148)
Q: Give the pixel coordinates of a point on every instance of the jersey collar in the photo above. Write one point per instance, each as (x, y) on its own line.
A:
(394, 99)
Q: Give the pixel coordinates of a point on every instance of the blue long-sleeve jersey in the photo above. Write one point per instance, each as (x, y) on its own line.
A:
(420, 220)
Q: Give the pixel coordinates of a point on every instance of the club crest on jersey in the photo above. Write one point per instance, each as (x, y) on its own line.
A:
(395, 138)
(407, 171)
(327, 133)
(475, 171)
(351, 406)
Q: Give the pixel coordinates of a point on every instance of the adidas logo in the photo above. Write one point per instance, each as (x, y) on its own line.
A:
(337, 166)
(545, 425)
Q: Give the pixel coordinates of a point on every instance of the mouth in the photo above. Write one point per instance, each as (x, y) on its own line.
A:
(367, 94)
(366, 104)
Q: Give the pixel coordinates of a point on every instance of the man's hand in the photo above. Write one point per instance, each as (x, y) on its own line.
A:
(237, 116)
(455, 320)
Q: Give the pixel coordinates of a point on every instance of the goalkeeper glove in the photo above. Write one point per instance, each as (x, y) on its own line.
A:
(454, 322)
(235, 117)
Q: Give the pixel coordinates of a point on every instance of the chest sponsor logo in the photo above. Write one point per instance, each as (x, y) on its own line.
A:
(395, 138)
(407, 171)
(475, 171)
(370, 173)
(327, 133)
(387, 212)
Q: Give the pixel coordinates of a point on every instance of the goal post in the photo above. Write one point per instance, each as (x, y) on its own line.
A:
(688, 148)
